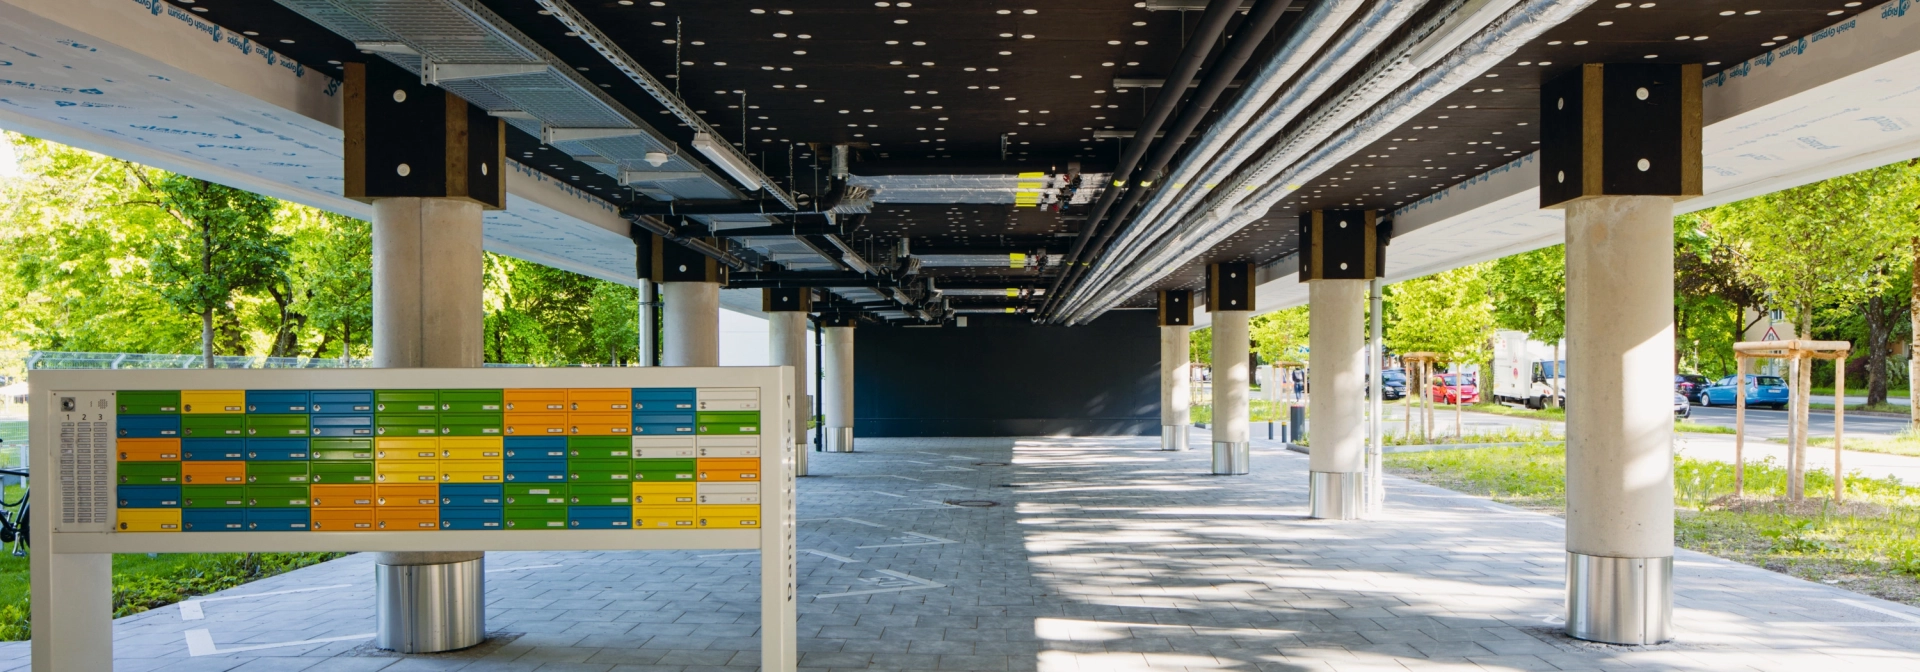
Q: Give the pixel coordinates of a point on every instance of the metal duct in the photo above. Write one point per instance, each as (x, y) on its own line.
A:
(1214, 159)
(589, 33)
(1486, 49)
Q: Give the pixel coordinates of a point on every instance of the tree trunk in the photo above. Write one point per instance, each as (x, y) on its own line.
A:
(1913, 349)
(206, 337)
(1879, 332)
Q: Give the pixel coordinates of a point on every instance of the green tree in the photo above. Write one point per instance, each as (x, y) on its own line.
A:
(75, 273)
(615, 313)
(1529, 292)
(1200, 346)
(1449, 313)
(224, 247)
(333, 260)
(1711, 297)
(1281, 335)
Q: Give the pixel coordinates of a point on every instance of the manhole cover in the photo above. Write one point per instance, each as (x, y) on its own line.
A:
(991, 464)
(1012, 485)
(973, 503)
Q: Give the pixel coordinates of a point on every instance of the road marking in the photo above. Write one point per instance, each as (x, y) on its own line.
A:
(900, 582)
(889, 494)
(521, 569)
(1910, 618)
(925, 540)
(855, 521)
(200, 643)
(190, 610)
(829, 556)
(941, 486)
(722, 555)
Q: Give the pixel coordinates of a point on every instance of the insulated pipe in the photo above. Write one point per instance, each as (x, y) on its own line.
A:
(1246, 40)
(1336, 360)
(1205, 34)
(1231, 373)
(693, 324)
(1487, 48)
(1354, 47)
(836, 423)
(787, 340)
(1250, 121)
(1620, 430)
(1176, 386)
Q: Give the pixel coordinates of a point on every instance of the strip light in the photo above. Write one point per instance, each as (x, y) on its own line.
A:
(723, 156)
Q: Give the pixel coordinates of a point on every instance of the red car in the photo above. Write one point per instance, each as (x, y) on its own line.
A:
(1450, 388)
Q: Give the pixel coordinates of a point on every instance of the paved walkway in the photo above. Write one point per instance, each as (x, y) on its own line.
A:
(1108, 555)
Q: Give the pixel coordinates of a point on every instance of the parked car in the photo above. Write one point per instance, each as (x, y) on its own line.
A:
(1691, 385)
(1396, 387)
(1450, 388)
(1682, 407)
(1770, 391)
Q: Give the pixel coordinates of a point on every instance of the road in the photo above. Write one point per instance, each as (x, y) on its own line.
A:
(1771, 424)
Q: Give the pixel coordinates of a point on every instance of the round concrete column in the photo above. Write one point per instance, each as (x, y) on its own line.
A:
(1620, 424)
(1176, 387)
(1336, 366)
(692, 324)
(837, 398)
(787, 331)
(427, 312)
(1231, 371)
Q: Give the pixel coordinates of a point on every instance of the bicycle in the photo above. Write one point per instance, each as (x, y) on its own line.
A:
(14, 515)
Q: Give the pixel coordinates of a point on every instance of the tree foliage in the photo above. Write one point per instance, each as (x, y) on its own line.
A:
(1281, 335)
(105, 255)
(1450, 313)
(1529, 292)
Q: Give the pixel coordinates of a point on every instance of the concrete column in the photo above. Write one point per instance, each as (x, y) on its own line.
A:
(788, 341)
(1231, 371)
(427, 312)
(1620, 425)
(649, 326)
(1176, 387)
(692, 324)
(1336, 356)
(837, 397)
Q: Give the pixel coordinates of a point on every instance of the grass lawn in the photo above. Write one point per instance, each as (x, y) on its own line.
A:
(1876, 408)
(1554, 414)
(1904, 443)
(142, 582)
(1866, 544)
(1892, 391)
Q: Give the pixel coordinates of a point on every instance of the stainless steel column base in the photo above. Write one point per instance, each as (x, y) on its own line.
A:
(1336, 495)
(800, 451)
(1173, 437)
(1232, 458)
(1619, 600)
(430, 608)
(839, 439)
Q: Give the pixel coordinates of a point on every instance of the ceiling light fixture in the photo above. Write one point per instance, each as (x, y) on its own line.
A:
(726, 160)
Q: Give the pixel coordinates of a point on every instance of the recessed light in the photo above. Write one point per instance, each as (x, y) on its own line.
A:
(799, 53)
(1781, 38)
(1113, 42)
(1606, 23)
(899, 20)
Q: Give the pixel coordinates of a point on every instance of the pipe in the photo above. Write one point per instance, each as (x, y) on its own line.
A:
(1245, 41)
(1205, 34)
(664, 230)
(1485, 49)
(578, 26)
(1250, 111)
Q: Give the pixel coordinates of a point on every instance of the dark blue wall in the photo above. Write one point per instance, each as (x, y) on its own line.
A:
(1004, 376)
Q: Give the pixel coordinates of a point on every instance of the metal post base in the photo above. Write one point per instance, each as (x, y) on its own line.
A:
(430, 608)
(800, 451)
(1336, 495)
(1232, 458)
(1173, 437)
(1625, 601)
(839, 439)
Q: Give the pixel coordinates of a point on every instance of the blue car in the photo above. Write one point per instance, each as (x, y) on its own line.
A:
(1769, 391)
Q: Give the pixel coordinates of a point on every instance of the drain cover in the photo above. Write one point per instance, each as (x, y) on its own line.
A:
(991, 464)
(973, 503)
